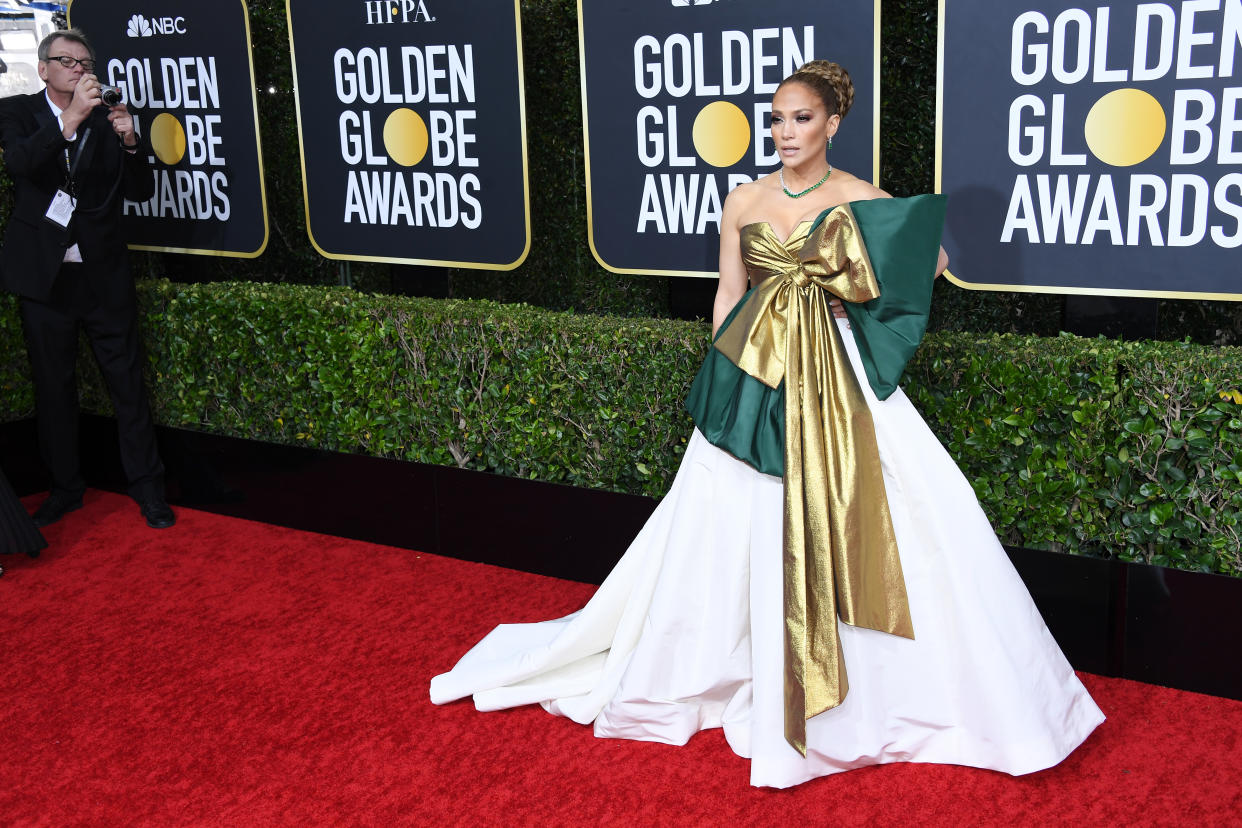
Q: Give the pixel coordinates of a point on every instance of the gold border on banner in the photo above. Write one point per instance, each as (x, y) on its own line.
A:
(258, 148)
(521, 81)
(586, 154)
(1007, 288)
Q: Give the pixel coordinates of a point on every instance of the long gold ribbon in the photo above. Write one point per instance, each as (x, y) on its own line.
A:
(840, 553)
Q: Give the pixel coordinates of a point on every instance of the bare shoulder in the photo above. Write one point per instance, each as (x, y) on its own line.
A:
(853, 188)
(744, 194)
(740, 198)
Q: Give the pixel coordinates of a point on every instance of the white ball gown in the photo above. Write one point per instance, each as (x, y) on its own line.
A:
(687, 632)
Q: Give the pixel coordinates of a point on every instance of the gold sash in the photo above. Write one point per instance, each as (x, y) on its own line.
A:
(840, 554)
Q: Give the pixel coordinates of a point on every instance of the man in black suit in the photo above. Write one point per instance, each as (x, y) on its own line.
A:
(72, 160)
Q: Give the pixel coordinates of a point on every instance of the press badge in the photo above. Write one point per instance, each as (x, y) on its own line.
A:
(61, 209)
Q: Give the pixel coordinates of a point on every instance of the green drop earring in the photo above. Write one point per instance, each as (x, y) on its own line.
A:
(829, 142)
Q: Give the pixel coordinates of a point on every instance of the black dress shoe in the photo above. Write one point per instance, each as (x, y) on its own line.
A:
(56, 507)
(157, 513)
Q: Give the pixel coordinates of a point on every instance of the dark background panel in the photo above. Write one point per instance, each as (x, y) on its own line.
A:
(217, 31)
(318, 32)
(1184, 629)
(979, 175)
(842, 32)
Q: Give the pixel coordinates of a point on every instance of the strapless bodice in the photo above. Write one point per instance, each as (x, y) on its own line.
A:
(766, 254)
(825, 252)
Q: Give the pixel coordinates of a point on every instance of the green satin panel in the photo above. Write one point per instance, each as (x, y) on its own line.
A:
(902, 236)
(737, 412)
(840, 553)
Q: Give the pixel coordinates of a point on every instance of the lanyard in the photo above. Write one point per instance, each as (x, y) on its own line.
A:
(71, 167)
(68, 173)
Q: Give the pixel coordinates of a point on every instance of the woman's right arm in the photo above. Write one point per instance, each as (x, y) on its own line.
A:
(733, 277)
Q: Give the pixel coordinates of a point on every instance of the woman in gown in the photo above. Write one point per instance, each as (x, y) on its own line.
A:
(17, 530)
(820, 580)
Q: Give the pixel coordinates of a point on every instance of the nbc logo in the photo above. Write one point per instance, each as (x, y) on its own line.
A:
(139, 26)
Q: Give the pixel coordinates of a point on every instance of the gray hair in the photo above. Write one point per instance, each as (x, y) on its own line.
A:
(75, 35)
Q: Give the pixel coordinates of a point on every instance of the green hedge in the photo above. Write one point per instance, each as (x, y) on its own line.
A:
(524, 392)
(16, 393)
(1094, 446)
(1131, 450)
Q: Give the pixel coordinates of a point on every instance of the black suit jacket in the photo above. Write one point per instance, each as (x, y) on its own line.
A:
(34, 152)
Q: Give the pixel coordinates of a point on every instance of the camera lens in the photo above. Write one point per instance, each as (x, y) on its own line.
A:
(110, 95)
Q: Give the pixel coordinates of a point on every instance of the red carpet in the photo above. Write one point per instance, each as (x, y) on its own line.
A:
(232, 673)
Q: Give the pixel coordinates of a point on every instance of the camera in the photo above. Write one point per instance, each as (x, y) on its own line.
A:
(110, 95)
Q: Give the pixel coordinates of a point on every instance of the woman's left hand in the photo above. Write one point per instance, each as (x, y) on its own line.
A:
(838, 308)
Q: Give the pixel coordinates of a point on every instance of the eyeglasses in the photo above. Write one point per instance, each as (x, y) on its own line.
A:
(87, 65)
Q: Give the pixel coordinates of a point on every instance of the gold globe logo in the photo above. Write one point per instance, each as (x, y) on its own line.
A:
(721, 134)
(405, 137)
(1125, 127)
(168, 139)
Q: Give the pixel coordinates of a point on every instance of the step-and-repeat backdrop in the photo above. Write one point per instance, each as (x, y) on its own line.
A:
(1093, 149)
(1083, 150)
(184, 70)
(676, 101)
(412, 124)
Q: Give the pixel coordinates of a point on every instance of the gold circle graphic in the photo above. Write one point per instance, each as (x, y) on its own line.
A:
(721, 134)
(1125, 127)
(168, 138)
(405, 137)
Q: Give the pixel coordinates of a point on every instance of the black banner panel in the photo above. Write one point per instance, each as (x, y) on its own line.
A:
(1093, 150)
(184, 69)
(676, 102)
(411, 116)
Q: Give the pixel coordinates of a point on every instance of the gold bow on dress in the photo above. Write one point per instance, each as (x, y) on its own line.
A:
(840, 553)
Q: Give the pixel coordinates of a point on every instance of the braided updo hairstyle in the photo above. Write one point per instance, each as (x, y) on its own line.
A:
(828, 80)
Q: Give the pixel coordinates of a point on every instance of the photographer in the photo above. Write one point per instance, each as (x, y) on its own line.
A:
(73, 159)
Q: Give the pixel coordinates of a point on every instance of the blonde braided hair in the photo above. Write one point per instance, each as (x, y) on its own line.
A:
(828, 80)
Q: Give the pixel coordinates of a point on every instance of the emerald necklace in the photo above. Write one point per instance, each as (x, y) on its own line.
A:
(781, 175)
